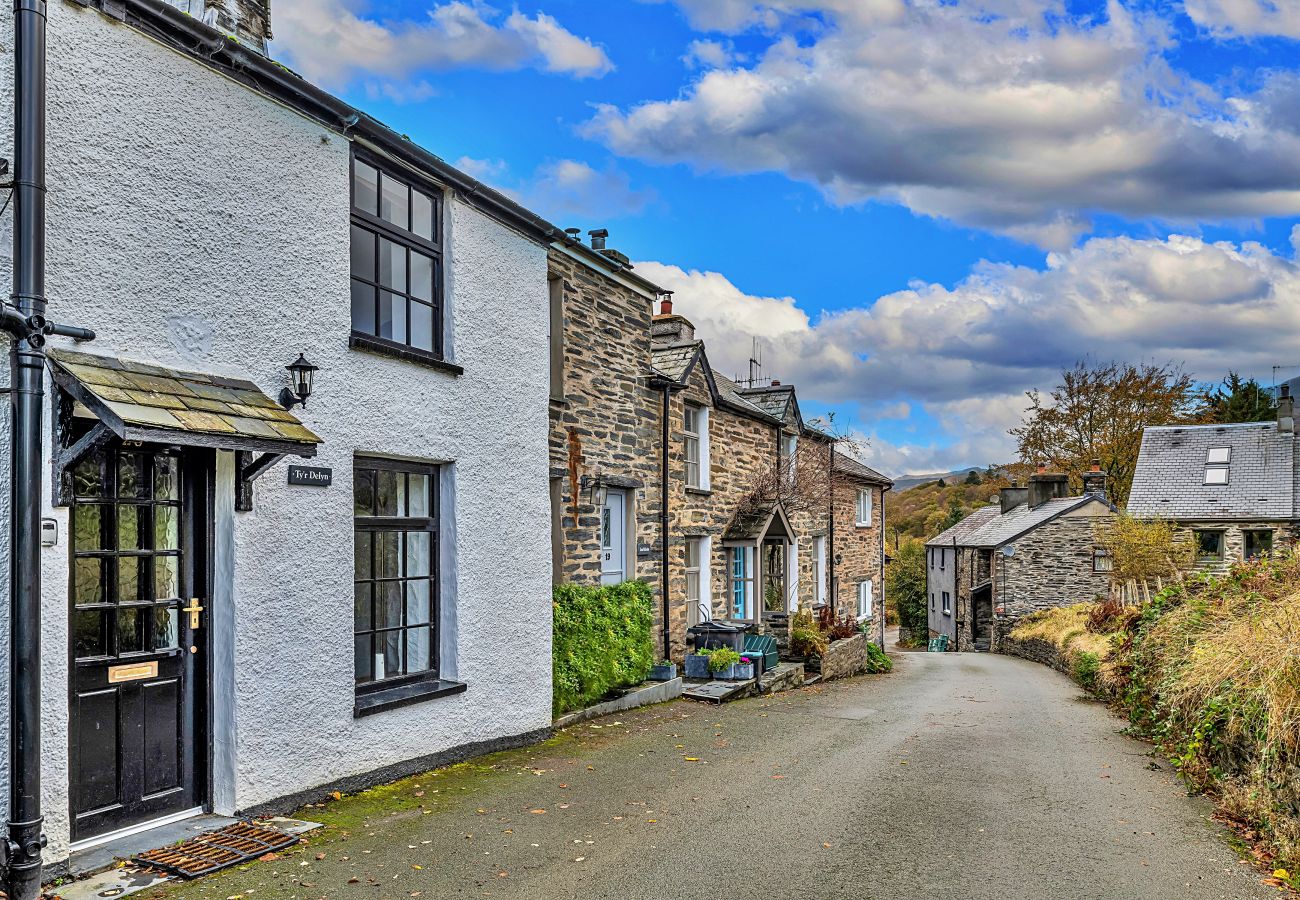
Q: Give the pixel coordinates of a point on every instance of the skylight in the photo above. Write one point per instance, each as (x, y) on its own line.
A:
(1216, 465)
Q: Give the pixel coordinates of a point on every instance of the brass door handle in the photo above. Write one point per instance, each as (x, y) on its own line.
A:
(193, 609)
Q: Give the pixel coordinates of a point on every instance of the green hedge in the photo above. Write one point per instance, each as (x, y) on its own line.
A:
(602, 641)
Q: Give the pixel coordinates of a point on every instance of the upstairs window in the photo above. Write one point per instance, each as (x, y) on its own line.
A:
(1217, 460)
(864, 507)
(789, 453)
(695, 446)
(396, 261)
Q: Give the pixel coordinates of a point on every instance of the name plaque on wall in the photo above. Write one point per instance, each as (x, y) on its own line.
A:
(311, 476)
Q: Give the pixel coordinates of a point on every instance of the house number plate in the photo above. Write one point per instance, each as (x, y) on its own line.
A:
(133, 672)
(311, 476)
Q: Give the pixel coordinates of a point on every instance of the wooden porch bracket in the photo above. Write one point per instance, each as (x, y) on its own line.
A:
(247, 469)
(66, 458)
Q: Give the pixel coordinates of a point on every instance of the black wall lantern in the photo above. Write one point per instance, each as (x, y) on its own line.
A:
(302, 373)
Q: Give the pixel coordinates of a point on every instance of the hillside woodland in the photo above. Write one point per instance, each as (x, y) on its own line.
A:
(927, 509)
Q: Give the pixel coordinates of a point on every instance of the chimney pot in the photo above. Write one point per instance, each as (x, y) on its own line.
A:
(775, 383)
(666, 303)
(598, 237)
(1096, 465)
(573, 233)
(1042, 469)
(1286, 412)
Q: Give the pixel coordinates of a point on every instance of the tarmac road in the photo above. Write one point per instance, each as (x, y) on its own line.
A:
(970, 776)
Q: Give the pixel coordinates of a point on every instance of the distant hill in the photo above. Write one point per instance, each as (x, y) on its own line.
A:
(911, 481)
(927, 506)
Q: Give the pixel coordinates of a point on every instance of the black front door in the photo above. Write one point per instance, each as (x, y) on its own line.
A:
(139, 556)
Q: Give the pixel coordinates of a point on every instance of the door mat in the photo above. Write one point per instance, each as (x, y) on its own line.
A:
(216, 850)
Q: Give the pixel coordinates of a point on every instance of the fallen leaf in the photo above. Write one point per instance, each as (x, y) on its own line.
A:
(320, 855)
(692, 759)
(538, 812)
(417, 868)
(824, 844)
(336, 795)
(354, 881)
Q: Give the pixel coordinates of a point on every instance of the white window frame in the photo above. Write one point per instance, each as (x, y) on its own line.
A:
(819, 570)
(790, 452)
(699, 603)
(867, 599)
(699, 439)
(947, 603)
(865, 507)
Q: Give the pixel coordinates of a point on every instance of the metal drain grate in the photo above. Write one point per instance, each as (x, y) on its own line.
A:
(217, 850)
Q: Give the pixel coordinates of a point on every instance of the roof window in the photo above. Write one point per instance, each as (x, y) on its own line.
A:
(1216, 465)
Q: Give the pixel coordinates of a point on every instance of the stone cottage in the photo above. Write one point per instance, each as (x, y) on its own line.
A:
(223, 631)
(741, 547)
(1232, 490)
(1034, 550)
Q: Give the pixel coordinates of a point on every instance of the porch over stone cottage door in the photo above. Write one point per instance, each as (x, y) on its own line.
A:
(137, 640)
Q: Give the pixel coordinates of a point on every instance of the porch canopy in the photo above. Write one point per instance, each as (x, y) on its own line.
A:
(135, 401)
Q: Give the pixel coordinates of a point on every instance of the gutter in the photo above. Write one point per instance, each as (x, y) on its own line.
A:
(208, 46)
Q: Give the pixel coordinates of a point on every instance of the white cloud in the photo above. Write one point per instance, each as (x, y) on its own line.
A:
(1246, 18)
(1008, 115)
(334, 42)
(704, 54)
(966, 354)
(565, 187)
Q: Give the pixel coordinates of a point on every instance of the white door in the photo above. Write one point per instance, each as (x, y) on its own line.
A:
(613, 539)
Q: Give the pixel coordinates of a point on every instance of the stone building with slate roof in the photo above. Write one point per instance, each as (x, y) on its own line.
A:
(1034, 550)
(248, 601)
(1232, 490)
(731, 556)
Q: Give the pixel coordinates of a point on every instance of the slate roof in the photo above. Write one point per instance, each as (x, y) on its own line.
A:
(1169, 481)
(730, 392)
(774, 401)
(994, 528)
(956, 535)
(850, 466)
(148, 397)
(675, 360)
(752, 522)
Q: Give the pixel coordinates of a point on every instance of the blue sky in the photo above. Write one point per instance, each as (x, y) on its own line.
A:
(922, 208)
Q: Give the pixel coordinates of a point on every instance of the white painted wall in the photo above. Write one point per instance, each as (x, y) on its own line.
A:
(196, 224)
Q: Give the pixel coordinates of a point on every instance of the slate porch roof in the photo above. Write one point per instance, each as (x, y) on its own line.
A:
(849, 466)
(134, 396)
(1169, 481)
(753, 522)
(674, 361)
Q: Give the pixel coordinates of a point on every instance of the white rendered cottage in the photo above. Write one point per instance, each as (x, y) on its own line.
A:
(211, 217)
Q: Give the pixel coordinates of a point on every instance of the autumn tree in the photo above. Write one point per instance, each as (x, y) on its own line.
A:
(905, 589)
(1237, 400)
(1143, 554)
(1098, 412)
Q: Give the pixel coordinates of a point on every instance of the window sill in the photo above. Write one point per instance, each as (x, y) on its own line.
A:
(372, 344)
(862, 525)
(700, 492)
(405, 695)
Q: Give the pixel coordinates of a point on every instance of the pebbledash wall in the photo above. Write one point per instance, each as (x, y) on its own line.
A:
(199, 225)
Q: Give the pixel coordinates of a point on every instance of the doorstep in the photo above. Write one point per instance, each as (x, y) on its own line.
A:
(106, 881)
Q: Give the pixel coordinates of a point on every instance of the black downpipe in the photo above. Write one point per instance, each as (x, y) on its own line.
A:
(663, 518)
(883, 597)
(834, 589)
(27, 357)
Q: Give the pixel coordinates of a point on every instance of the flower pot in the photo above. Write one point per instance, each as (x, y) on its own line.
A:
(744, 671)
(697, 666)
(663, 672)
(727, 674)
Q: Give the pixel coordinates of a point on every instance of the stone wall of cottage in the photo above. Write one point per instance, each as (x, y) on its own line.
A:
(742, 448)
(857, 548)
(606, 425)
(1234, 540)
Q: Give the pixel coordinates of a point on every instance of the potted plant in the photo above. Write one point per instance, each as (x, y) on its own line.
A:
(697, 665)
(722, 663)
(745, 669)
(664, 670)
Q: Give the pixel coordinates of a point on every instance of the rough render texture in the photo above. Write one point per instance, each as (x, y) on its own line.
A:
(941, 576)
(231, 256)
(607, 423)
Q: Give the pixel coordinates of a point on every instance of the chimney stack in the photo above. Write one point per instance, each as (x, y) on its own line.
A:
(1045, 486)
(1286, 411)
(1094, 480)
(1011, 497)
